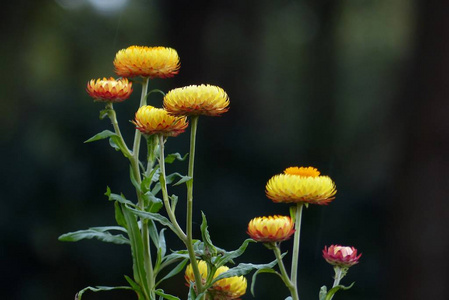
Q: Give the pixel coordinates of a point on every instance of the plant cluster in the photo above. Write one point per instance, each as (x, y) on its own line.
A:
(209, 271)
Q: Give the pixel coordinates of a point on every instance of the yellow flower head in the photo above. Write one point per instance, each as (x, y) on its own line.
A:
(290, 188)
(271, 229)
(109, 89)
(151, 120)
(208, 100)
(152, 62)
(224, 289)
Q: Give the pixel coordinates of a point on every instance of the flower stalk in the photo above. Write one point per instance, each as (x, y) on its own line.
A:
(296, 240)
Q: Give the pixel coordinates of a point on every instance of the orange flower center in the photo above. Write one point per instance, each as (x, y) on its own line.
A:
(302, 171)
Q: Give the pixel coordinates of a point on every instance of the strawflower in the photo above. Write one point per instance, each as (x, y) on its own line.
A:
(342, 256)
(271, 229)
(298, 185)
(208, 100)
(151, 120)
(224, 289)
(152, 62)
(109, 89)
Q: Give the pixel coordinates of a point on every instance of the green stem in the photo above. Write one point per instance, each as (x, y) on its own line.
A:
(171, 215)
(113, 117)
(189, 217)
(339, 274)
(296, 238)
(284, 275)
(144, 223)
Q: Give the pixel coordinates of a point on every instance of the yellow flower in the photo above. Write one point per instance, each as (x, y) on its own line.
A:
(208, 100)
(224, 289)
(109, 89)
(152, 62)
(271, 229)
(306, 188)
(151, 120)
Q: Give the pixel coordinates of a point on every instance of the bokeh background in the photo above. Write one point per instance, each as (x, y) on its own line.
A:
(356, 88)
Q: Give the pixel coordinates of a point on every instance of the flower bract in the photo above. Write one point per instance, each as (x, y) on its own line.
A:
(151, 120)
(208, 100)
(342, 256)
(152, 62)
(109, 89)
(224, 289)
(305, 186)
(271, 229)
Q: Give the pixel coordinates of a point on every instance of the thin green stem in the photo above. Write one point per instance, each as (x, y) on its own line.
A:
(113, 117)
(189, 217)
(171, 215)
(291, 287)
(296, 238)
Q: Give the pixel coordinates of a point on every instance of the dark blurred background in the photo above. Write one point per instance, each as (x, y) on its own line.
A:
(358, 89)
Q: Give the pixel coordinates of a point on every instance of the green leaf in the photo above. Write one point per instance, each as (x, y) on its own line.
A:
(134, 179)
(135, 286)
(243, 269)
(229, 256)
(209, 246)
(165, 296)
(335, 289)
(153, 204)
(253, 280)
(99, 233)
(323, 292)
(152, 216)
(170, 178)
(175, 156)
(120, 198)
(100, 136)
(137, 248)
(289, 298)
(175, 270)
(100, 289)
(119, 218)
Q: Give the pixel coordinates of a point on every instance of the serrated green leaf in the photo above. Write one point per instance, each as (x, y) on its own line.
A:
(99, 233)
(253, 280)
(165, 296)
(175, 156)
(100, 289)
(100, 136)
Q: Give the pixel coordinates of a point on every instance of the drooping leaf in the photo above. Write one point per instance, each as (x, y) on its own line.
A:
(100, 289)
(135, 286)
(153, 204)
(175, 156)
(99, 233)
(253, 280)
(243, 269)
(335, 289)
(229, 256)
(165, 296)
(152, 216)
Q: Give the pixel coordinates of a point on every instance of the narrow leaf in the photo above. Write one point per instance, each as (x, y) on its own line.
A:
(333, 290)
(175, 156)
(175, 270)
(100, 289)
(91, 233)
(152, 216)
(229, 256)
(100, 136)
(253, 280)
(165, 296)
(206, 237)
(243, 269)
